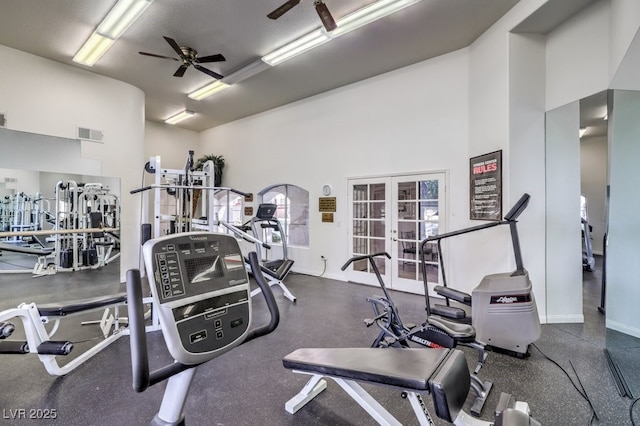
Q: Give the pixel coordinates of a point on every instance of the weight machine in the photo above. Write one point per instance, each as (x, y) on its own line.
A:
(22, 212)
(85, 209)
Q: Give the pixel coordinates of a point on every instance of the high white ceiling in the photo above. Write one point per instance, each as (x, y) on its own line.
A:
(240, 30)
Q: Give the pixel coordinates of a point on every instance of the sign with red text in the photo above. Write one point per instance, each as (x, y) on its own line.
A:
(486, 186)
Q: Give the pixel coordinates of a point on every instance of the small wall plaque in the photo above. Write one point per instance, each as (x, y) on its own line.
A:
(248, 211)
(327, 217)
(327, 204)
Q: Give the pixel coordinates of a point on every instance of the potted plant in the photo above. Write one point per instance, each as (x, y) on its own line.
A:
(218, 162)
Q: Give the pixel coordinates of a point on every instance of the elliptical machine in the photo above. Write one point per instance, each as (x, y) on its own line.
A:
(504, 311)
(201, 290)
(434, 332)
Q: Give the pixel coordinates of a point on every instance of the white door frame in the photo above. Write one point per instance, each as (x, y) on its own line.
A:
(393, 214)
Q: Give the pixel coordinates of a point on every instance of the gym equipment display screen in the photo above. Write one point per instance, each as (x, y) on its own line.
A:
(201, 269)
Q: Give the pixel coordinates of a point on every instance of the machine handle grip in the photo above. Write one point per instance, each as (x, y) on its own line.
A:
(366, 256)
(141, 377)
(135, 191)
(138, 339)
(269, 298)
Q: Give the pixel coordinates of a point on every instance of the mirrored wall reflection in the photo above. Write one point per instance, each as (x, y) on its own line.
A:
(623, 247)
(593, 227)
(57, 221)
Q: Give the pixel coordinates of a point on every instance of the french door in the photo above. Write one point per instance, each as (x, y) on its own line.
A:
(394, 214)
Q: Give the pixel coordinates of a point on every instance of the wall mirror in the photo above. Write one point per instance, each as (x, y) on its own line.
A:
(35, 206)
(51, 204)
(592, 224)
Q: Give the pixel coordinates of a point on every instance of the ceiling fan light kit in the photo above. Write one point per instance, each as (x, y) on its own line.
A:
(117, 21)
(189, 57)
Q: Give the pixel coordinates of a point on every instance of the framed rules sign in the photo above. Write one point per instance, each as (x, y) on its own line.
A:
(485, 191)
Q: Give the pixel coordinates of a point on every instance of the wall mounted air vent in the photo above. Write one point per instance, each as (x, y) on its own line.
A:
(3, 120)
(90, 134)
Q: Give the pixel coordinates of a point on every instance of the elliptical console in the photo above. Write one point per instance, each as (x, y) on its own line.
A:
(202, 289)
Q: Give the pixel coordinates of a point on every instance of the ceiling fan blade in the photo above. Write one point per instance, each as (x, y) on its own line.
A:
(283, 9)
(325, 16)
(174, 45)
(158, 56)
(213, 58)
(180, 71)
(206, 71)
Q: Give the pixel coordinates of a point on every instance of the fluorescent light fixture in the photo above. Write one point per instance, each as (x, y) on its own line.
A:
(208, 90)
(121, 16)
(236, 77)
(349, 23)
(304, 43)
(245, 72)
(117, 21)
(368, 14)
(93, 49)
(582, 131)
(179, 117)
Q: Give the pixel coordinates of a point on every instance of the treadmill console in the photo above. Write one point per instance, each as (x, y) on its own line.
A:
(201, 290)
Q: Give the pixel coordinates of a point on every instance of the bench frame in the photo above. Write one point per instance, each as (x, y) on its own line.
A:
(36, 333)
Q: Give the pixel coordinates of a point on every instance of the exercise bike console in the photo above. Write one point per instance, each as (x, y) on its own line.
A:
(202, 288)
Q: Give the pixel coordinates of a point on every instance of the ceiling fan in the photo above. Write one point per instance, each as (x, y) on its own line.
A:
(321, 8)
(189, 57)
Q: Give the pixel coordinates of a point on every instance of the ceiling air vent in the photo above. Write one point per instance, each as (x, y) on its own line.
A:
(3, 120)
(89, 134)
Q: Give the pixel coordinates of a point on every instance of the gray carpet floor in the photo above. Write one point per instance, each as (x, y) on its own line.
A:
(249, 386)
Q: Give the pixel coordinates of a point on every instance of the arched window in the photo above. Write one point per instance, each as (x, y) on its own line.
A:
(292, 212)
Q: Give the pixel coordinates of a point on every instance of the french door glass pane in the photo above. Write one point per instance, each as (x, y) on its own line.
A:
(377, 191)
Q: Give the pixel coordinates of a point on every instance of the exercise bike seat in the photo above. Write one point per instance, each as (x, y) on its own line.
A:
(458, 331)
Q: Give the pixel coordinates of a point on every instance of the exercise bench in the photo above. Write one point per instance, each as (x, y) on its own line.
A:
(443, 373)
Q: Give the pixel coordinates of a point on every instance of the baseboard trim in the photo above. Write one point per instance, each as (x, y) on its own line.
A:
(559, 319)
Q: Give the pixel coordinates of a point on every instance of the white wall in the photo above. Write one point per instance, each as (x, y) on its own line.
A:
(593, 172)
(410, 120)
(527, 151)
(564, 259)
(65, 98)
(578, 56)
(579, 62)
(171, 143)
(26, 181)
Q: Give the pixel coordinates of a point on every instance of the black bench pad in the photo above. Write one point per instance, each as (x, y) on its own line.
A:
(405, 368)
(76, 306)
